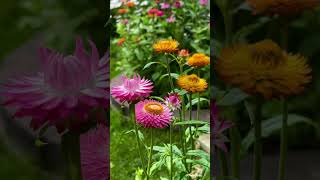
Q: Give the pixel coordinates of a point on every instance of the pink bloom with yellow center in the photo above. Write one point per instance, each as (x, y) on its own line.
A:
(132, 90)
(152, 114)
(66, 89)
(94, 150)
(173, 101)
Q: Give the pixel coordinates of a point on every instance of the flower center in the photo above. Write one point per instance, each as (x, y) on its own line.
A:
(267, 52)
(153, 108)
(193, 78)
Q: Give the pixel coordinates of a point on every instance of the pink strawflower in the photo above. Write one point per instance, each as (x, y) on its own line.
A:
(165, 5)
(171, 19)
(66, 88)
(132, 90)
(153, 12)
(94, 147)
(178, 4)
(153, 114)
(218, 127)
(159, 13)
(173, 101)
(203, 2)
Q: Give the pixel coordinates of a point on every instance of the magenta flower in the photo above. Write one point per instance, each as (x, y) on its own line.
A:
(153, 114)
(165, 5)
(95, 154)
(218, 127)
(159, 13)
(171, 19)
(67, 88)
(203, 2)
(132, 90)
(178, 4)
(173, 101)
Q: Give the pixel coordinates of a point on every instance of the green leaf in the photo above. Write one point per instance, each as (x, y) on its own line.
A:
(233, 97)
(157, 98)
(39, 143)
(195, 101)
(173, 75)
(271, 126)
(141, 137)
(151, 63)
(199, 153)
(192, 122)
(242, 34)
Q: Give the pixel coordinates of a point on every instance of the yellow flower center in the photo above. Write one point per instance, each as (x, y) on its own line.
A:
(267, 52)
(193, 78)
(154, 108)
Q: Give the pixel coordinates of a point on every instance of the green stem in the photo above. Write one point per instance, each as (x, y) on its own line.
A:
(284, 142)
(169, 74)
(137, 135)
(257, 142)
(235, 143)
(198, 105)
(224, 165)
(171, 154)
(190, 130)
(71, 147)
(150, 154)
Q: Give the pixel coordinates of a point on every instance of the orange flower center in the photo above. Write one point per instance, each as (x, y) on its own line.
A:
(154, 108)
(267, 52)
(193, 78)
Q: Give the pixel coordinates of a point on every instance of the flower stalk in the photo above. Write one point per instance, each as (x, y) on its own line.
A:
(71, 149)
(150, 154)
(258, 141)
(284, 142)
(137, 136)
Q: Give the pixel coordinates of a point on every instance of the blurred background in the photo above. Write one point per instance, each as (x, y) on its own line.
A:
(24, 27)
(304, 137)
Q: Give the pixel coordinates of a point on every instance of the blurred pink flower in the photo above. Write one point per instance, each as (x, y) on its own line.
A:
(153, 114)
(165, 5)
(67, 88)
(94, 148)
(173, 101)
(203, 2)
(218, 127)
(152, 12)
(171, 19)
(131, 90)
(159, 13)
(178, 4)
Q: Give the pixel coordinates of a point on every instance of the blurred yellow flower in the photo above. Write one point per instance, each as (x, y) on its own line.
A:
(192, 83)
(264, 69)
(198, 60)
(281, 7)
(166, 46)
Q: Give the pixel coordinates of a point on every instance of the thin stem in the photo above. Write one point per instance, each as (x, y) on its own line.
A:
(284, 142)
(190, 130)
(137, 136)
(235, 150)
(71, 148)
(169, 74)
(257, 142)
(171, 154)
(224, 165)
(198, 105)
(150, 154)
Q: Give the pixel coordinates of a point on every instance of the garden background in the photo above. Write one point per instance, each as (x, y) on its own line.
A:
(24, 27)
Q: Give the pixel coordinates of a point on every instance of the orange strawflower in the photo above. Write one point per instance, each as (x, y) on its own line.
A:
(130, 4)
(121, 41)
(183, 53)
(122, 11)
(198, 60)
